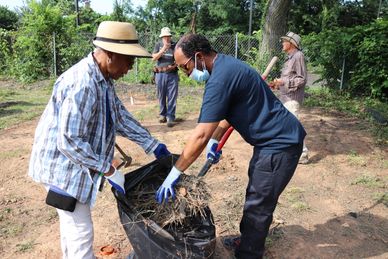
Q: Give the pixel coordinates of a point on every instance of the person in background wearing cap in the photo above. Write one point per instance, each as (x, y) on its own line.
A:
(292, 82)
(74, 140)
(236, 95)
(166, 77)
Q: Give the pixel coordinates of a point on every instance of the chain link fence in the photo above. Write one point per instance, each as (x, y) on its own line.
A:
(243, 47)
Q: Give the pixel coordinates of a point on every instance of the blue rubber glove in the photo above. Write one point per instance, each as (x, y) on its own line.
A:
(117, 181)
(211, 148)
(167, 188)
(161, 151)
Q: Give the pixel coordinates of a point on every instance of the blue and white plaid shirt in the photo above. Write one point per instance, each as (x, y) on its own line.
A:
(75, 135)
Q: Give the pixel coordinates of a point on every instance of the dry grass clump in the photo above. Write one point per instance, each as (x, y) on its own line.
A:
(192, 195)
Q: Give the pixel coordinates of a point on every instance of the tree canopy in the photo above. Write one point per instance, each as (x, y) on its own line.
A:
(32, 36)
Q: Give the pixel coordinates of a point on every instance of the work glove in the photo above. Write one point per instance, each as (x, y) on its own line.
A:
(117, 181)
(167, 188)
(161, 151)
(211, 153)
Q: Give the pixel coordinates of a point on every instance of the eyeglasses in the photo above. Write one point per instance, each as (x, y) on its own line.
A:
(184, 66)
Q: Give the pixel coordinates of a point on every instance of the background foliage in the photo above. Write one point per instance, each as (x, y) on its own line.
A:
(332, 31)
(364, 51)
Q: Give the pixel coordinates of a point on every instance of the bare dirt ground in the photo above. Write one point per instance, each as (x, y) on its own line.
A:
(334, 207)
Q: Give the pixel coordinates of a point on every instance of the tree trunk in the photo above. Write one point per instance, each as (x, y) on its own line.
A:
(275, 26)
(193, 22)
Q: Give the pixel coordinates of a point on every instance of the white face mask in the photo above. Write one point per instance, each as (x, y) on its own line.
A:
(198, 75)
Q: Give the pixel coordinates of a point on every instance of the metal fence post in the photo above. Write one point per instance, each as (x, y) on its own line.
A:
(342, 74)
(54, 56)
(236, 46)
(136, 69)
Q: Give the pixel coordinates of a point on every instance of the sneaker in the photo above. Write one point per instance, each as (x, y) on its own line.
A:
(231, 243)
(304, 159)
(170, 123)
(162, 119)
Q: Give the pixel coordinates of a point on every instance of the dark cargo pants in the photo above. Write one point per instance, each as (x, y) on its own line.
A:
(268, 174)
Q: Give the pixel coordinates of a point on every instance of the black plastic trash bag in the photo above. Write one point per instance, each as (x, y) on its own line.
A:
(148, 239)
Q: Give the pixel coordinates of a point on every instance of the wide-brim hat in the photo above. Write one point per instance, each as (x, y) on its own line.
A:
(165, 32)
(119, 37)
(293, 38)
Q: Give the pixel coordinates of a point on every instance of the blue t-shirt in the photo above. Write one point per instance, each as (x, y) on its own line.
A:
(237, 93)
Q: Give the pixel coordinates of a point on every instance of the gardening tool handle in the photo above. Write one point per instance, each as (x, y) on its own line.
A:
(224, 138)
(119, 149)
(269, 67)
(206, 167)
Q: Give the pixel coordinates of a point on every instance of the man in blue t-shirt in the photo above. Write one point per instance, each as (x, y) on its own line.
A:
(235, 95)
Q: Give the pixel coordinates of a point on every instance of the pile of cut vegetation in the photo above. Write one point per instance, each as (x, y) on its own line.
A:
(192, 196)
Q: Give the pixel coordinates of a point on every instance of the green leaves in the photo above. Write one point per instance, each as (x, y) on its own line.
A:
(364, 51)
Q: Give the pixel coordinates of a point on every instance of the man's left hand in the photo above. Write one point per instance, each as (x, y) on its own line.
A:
(166, 190)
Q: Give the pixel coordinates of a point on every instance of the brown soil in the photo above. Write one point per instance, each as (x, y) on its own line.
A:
(331, 208)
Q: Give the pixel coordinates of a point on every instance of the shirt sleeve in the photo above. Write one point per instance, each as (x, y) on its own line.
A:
(75, 114)
(215, 103)
(296, 74)
(127, 126)
(156, 48)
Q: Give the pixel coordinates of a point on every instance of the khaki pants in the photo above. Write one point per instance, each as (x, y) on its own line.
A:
(294, 108)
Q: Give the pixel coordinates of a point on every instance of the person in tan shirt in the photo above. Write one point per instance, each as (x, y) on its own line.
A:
(292, 81)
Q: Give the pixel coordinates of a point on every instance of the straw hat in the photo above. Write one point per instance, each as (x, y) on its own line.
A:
(165, 31)
(119, 37)
(293, 38)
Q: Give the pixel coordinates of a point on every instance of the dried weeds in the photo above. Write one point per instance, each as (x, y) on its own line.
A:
(192, 196)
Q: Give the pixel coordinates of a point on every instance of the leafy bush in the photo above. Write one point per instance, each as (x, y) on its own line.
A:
(364, 49)
(32, 48)
(8, 19)
(5, 50)
(142, 73)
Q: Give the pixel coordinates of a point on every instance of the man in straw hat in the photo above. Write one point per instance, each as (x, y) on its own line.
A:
(166, 77)
(74, 141)
(292, 82)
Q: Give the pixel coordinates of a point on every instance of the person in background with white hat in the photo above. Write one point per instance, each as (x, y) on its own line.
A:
(74, 141)
(292, 82)
(166, 77)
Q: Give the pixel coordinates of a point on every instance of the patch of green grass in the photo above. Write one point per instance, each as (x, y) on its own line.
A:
(294, 195)
(53, 215)
(12, 153)
(381, 198)
(358, 107)
(300, 206)
(369, 181)
(4, 214)
(188, 104)
(275, 235)
(24, 247)
(21, 104)
(355, 159)
(11, 230)
(146, 114)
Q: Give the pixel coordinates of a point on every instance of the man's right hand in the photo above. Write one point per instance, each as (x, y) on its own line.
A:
(211, 151)
(273, 85)
(166, 46)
